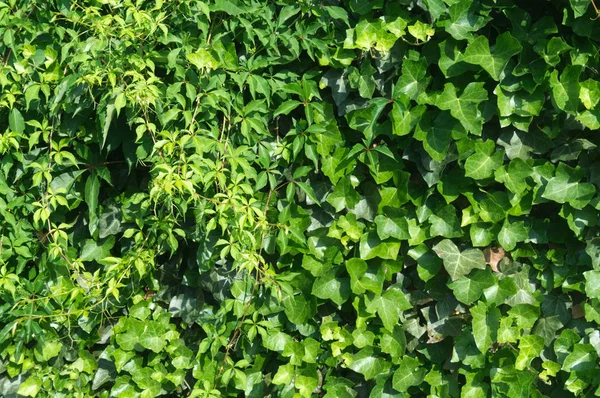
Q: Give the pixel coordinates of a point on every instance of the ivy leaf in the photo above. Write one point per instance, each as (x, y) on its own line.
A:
(389, 306)
(297, 309)
(344, 195)
(392, 225)
(409, 373)
(371, 247)
(394, 342)
(565, 188)
(592, 284)
(469, 288)
(483, 162)
(465, 107)
(565, 91)
(361, 280)
(583, 358)
(486, 322)
(30, 387)
(530, 347)
(589, 93)
(478, 53)
(512, 233)
(463, 20)
(365, 363)
(329, 287)
(579, 7)
(459, 263)
(444, 222)
(413, 80)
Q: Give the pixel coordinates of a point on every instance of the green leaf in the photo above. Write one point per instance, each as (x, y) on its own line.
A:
(202, 60)
(16, 121)
(530, 347)
(464, 20)
(30, 387)
(389, 306)
(394, 342)
(231, 7)
(329, 287)
(482, 164)
(297, 309)
(485, 324)
(515, 175)
(308, 190)
(478, 53)
(444, 222)
(565, 188)
(361, 280)
(579, 7)
(392, 225)
(565, 91)
(92, 191)
(459, 263)
(583, 358)
(343, 196)
(413, 80)
(371, 247)
(286, 107)
(512, 233)
(592, 284)
(365, 363)
(589, 93)
(469, 288)
(97, 250)
(409, 373)
(464, 108)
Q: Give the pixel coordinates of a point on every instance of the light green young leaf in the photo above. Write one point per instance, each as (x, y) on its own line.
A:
(202, 60)
(589, 93)
(530, 347)
(30, 387)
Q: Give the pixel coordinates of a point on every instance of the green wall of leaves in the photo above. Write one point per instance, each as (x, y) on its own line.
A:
(332, 198)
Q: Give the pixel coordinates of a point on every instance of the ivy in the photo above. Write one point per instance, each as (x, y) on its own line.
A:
(299, 198)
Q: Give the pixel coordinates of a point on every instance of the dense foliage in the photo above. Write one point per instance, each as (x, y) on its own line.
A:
(299, 198)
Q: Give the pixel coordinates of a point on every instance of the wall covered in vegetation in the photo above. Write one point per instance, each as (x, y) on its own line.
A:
(330, 198)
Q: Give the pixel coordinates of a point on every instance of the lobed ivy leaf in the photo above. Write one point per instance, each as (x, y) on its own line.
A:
(459, 263)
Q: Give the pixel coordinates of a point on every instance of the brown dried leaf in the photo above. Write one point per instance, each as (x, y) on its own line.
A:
(493, 255)
(577, 311)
